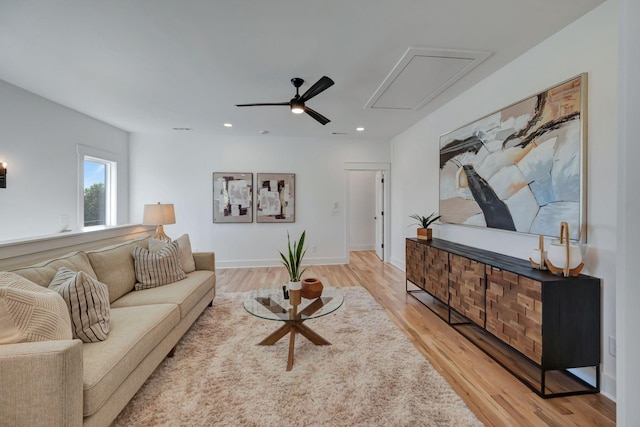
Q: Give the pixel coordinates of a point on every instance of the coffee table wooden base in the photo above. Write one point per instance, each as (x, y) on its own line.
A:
(292, 328)
(272, 304)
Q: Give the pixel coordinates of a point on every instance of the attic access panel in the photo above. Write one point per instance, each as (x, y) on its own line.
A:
(421, 75)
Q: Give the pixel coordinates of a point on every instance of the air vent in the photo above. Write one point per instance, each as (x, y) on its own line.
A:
(421, 75)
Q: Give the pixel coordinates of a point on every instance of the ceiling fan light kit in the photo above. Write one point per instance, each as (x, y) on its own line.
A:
(297, 103)
(297, 107)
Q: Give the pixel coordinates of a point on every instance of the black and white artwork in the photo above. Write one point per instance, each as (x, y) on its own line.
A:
(275, 194)
(232, 197)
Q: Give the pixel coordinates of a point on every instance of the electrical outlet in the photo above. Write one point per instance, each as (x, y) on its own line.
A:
(314, 248)
(612, 346)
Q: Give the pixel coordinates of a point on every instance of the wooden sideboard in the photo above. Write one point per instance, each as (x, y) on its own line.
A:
(541, 327)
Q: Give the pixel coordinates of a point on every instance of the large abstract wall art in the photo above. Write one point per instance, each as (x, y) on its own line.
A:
(522, 168)
(232, 197)
(275, 197)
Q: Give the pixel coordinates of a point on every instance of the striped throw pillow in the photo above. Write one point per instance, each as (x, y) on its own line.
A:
(157, 268)
(185, 255)
(88, 303)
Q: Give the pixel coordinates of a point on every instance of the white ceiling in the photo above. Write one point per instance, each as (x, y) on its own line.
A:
(152, 65)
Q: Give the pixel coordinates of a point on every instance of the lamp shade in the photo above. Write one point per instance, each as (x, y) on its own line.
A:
(158, 214)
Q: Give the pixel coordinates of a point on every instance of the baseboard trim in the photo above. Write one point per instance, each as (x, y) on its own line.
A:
(397, 263)
(608, 386)
(362, 247)
(251, 263)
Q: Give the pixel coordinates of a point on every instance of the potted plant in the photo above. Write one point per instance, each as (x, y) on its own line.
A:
(293, 260)
(424, 232)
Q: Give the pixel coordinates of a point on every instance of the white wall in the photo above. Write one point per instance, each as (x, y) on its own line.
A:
(587, 45)
(627, 289)
(178, 169)
(38, 140)
(362, 210)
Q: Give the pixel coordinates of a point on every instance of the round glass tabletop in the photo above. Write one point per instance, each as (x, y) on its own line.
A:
(270, 304)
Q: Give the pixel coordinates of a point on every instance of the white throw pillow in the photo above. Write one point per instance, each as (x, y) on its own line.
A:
(184, 251)
(30, 312)
(157, 268)
(88, 303)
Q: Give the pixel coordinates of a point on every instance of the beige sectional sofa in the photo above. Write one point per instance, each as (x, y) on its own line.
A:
(72, 383)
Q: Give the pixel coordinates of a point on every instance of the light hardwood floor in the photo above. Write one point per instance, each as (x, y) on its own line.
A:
(495, 396)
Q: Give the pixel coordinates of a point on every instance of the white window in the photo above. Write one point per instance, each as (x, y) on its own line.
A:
(97, 172)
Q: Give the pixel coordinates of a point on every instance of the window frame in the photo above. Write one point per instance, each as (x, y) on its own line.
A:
(110, 160)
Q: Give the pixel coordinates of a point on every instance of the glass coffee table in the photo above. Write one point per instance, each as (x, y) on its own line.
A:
(270, 304)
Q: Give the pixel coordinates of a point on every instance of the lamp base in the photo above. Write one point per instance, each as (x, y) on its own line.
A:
(160, 235)
(564, 271)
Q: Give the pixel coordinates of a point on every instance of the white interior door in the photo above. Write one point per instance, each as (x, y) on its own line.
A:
(379, 215)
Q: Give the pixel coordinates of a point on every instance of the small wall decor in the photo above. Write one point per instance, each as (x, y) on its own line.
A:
(232, 197)
(522, 168)
(3, 175)
(275, 194)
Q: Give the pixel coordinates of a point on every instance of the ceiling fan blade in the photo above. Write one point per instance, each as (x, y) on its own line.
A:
(259, 105)
(319, 117)
(318, 87)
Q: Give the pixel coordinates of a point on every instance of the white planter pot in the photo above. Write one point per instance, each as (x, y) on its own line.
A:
(557, 255)
(295, 286)
(537, 257)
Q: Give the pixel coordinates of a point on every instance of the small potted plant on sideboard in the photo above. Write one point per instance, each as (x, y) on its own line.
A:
(424, 232)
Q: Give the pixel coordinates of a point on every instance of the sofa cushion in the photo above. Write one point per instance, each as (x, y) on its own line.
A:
(114, 267)
(185, 255)
(88, 302)
(43, 273)
(186, 293)
(135, 331)
(157, 268)
(29, 312)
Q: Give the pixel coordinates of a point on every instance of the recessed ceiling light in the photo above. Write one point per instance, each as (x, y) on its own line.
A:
(264, 132)
(185, 129)
(360, 129)
(228, 125)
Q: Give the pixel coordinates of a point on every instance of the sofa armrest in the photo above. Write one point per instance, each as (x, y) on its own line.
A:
(41, 383)
(205, 261)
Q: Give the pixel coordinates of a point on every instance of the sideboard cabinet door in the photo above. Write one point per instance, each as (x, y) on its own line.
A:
(415, 263)
(437, 272)
(514, 311)
(466, 288)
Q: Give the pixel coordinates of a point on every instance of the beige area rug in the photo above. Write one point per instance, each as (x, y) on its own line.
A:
(371, 375)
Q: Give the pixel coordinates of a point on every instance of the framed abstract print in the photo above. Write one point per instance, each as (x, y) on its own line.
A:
(522, 168)
(232, 197)
(275, 193)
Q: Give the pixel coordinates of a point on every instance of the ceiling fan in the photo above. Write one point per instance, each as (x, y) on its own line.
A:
(297, 102)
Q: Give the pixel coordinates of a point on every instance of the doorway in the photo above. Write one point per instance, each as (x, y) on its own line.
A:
(364, 212)
(379, 214)
(367, 201)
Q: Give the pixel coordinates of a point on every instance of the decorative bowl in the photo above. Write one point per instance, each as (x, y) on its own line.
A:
(311, 288)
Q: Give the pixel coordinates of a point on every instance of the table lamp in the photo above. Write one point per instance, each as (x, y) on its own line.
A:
(159, 215)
